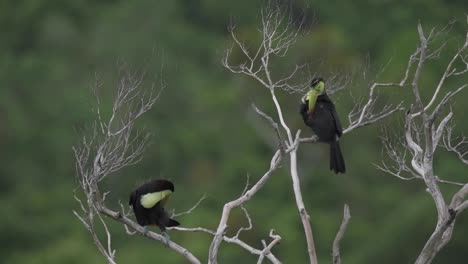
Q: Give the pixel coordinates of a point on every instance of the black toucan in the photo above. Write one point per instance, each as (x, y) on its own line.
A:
(148, 203)
(318, 113)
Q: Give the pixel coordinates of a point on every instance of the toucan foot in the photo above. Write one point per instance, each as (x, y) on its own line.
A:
(145, 230)
(166, 238)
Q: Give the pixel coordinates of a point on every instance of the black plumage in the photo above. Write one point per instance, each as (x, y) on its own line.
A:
(325, 123)
(155, 215)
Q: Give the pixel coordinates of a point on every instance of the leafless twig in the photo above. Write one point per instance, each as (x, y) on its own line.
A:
(267, 248)
(339, 236)
(232, 240)
(189, 211)
(457, 145)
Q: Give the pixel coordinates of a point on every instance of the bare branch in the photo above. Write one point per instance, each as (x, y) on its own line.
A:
(83, 221)
(339, 236)
(280, 115)
(397, 151)
(363, 115)
(449, 72)
(417, 151)
(267, 250)
(444, 101)
(252, 250)
(437, 135)
(461, 207)
(189, 211)
(154, 236)
(249, 227)
(311, 139)
(460, 148)
(373, 118)
(422, 137)
(279, 33)
(459, 197)
(232, 240)
(421, 61)
(272, 123)
(222, 227)
(110, 251)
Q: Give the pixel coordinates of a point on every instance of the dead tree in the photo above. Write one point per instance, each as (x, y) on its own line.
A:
(427, 129)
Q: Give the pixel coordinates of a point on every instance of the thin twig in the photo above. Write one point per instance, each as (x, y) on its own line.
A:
(189, 211)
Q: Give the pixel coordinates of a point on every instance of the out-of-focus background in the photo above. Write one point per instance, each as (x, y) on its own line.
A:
(206, 137)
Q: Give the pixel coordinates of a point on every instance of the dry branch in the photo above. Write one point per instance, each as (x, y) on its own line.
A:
(222, 226)
(422, 136)
(339, 236)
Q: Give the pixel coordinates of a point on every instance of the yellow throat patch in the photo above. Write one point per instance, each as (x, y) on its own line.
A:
(151, 199)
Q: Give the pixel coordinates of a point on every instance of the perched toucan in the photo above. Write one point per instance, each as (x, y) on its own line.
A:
(318, 113)
(148, 203)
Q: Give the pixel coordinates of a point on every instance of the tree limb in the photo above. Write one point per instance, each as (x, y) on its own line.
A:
(222, 226)
(339, 236)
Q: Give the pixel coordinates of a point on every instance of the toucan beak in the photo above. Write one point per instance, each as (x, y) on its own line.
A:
(303, 98)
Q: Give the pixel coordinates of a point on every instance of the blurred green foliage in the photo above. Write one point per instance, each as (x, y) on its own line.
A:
(206, 138)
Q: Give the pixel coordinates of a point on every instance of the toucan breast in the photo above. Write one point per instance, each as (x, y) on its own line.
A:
(149, 200)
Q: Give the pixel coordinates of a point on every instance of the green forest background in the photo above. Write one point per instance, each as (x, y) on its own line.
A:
(206, 137)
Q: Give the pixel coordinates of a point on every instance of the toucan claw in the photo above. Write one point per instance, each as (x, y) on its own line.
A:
(166, 238)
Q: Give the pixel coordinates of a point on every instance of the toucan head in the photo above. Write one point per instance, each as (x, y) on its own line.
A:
(315, 80)
(162, 185)
(168, 185)
(317, 86)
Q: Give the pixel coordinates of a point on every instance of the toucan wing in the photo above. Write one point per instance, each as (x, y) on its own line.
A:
(151, 199)
(303, 110)
(133, 198)
(330, 106)
(339, 129)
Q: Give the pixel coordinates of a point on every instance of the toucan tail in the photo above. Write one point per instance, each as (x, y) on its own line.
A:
(169, 223)
(337, 163)
(172, 222)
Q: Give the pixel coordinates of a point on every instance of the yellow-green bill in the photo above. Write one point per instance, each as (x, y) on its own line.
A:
(151, 199)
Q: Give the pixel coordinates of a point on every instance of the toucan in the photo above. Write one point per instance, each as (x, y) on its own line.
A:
(318, 113)
(148, 203)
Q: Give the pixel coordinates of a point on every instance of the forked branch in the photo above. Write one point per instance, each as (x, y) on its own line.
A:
(339, 236)
(222, 226)
(422, 135)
